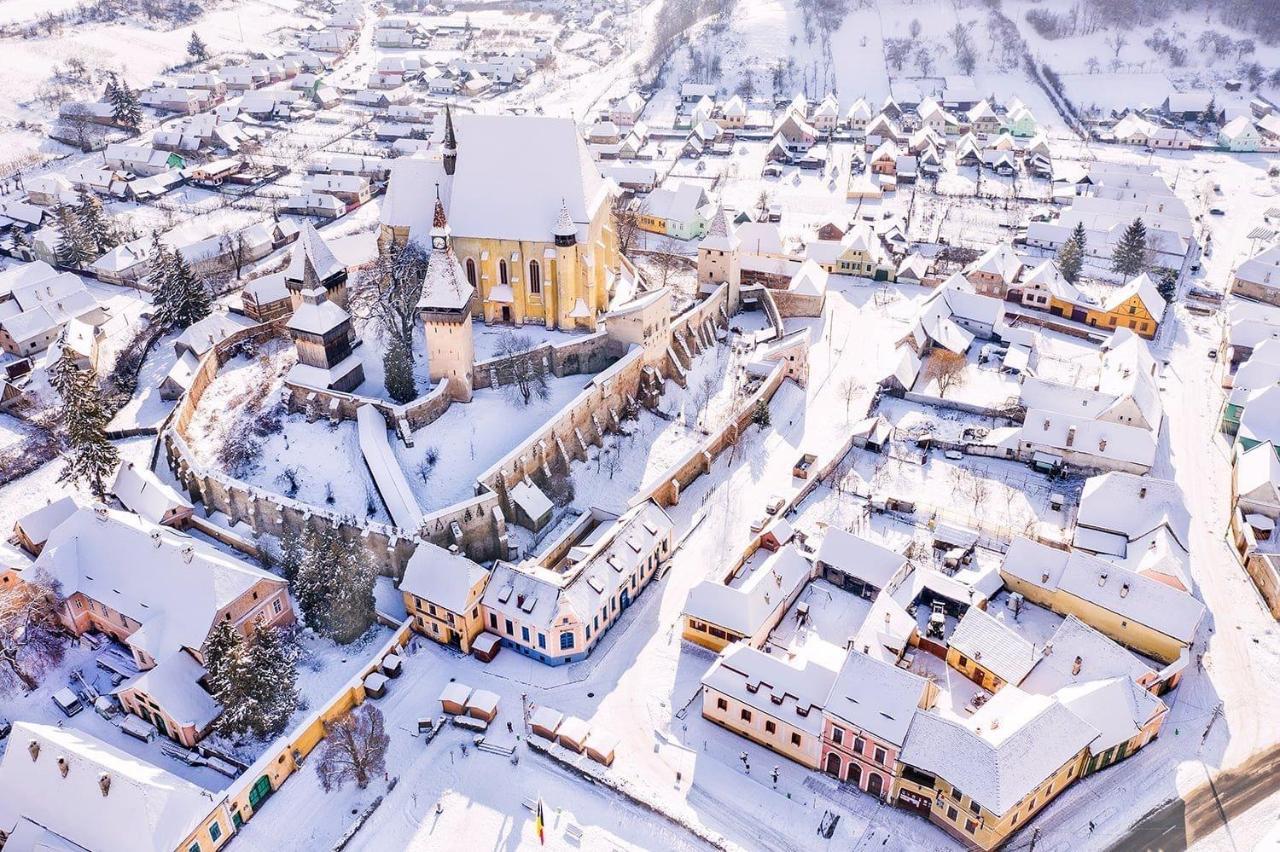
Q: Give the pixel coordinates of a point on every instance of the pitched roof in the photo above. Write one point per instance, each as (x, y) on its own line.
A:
(876, 697)
(858, 557)
(1117, 707)
(997, 761)
(173, 584)
(444, 578)
(744, 607)
(146, 809)
(1134, 597)
(793, 694)
(993, 645)
(1100, 658)
(311, 248)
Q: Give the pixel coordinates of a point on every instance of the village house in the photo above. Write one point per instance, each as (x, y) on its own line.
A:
(769, 701)
(995, 272)
(556, 610)
(627, 109)
(160, 593)
(37, 303)
(442, 592)
(748, 600)
(682, 213)
(984, 778)
(1139, 522)
(1151, 617)
(63, 789)
(859, 566)
(988, 651)
(865, 719)
(1258, 277)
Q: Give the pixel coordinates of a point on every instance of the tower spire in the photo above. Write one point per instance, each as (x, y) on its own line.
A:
(450, 143)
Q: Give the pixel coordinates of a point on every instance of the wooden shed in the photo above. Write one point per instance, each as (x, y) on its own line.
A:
(453, 699)
(572, 733)
(392, 665)
(545, 721)
(486, 646)
(601, 746)
(483, 704)
(375, 684)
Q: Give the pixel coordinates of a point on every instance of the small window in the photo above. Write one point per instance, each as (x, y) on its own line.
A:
(524, 634)
(502, 272)
(535, 277)
(721, 704)
(795, 740)
(880, 755)
(471, 272)
(566, 640)
(970, 826)
(215, 831)
(542, 640)
(277, 606)
(770, 727)
(837, 736)
(745, 715)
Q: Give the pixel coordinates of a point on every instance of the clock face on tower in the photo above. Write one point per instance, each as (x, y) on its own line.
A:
(437, 242)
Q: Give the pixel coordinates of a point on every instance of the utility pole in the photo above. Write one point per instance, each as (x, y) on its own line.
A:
(1217, 713)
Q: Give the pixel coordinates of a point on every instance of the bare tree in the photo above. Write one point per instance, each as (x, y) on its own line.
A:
(522, 371)
(236, 251)
(665, 259)
(388, 291)
(762, 202)
(626, 221)
(946, 369)
(32, 638)
(1117, 41)
(850, 389)
(355, 749)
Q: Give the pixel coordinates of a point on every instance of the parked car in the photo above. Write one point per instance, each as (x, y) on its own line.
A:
(1213, 354)
(68, 702)
(759, 524)
(775, 504)
(1217, 211)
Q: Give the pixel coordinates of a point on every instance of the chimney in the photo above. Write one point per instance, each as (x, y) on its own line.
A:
(188, 553)
(104, 783)
(1124, 590)
(1102, 444)
(1102, 578)
(100, 512)
(1075, 665)
(63, 766)
(1071, 436)
(33, 749)
(519, 600)
(155, 538)
(1142, 493)
(1044, 576)
(1046, 424)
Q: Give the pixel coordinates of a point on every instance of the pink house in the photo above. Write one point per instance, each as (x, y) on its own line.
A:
(865, 721)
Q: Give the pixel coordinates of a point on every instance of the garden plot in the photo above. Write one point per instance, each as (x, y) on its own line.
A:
(241, 429)
(449, 453)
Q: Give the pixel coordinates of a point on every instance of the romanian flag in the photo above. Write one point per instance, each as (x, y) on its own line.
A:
(538, 823)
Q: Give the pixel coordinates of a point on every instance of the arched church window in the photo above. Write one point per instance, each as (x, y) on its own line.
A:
(502, 272)
(471, 271)
(535, 277)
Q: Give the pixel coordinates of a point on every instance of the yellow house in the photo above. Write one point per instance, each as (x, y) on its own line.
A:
(529, 213)
(763, 698)
(1141, 613)
(988, 652)
(1137, 306)
(442, 592)
(748, 600)
(985, 778)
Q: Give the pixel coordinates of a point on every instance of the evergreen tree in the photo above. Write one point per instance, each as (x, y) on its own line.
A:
(94, 225)
(1130, 255)
(1168, 285)
(1070, 259)
(192, 302)
(196, 48)
(125, 107)
(334, 586)
(1210, 115)
(760, 416)
(90, 457)
(292, 552)
(21, 242)
(397, 366)
(71, 249)
(254, 680)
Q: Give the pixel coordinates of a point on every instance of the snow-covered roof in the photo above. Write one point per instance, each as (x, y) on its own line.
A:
(875, 696)
(810, 279)
(171, 583)
(311, 248)
(530, 498)
(1260, 420)
(1100, 658)
(999, 260)
(993, 645)
(141, 491)
(1263, 268)
(201, 336)
(998, 764)
(1117, 707)
(770, 685)
(1134, 597)
(317, 314)
(1258, 472)
(443, 578)
(36, 525)
(681, 204)
(388, 475)
(1133, 506)
(455, 692)
(1103, 440)
(745, 608)
(145, 809)
(540, 160)
(857, 557)
(721, 234)
(174, 685)
(546, 717)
